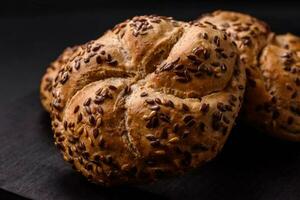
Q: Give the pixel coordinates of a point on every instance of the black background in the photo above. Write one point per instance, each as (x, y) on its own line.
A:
(33, 33)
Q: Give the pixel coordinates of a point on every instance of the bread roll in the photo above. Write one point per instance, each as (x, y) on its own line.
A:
(152, 97)
(272, 68)
(277, 110)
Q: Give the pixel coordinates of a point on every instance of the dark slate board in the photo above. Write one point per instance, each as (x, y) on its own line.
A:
(252, 165)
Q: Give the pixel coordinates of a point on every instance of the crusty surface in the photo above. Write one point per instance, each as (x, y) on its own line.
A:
(272, 68)
(288, 41)
(250, 34)
(50, 75)
(152, 97)
(278, 108)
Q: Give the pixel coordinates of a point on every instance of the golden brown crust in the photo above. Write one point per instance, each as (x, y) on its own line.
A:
(122, 114)
(272, 67)
(197, 67)
(50, 75)
(250, 34)
(278, 108)
(288, 41)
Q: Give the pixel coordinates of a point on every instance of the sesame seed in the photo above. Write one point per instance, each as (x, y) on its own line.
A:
(217, 40)
(99, 91)
(217, 116)
(181, 79)
(164, 117)
(144, 94)
(170, 103)
(155, 143)
(96, 48)
(112, 62)
(153, 122)
(79, 118)
(86, 60)
(294, 95)
(61, 139)
(150, 137)
(167, 67)
(192, 57)
(81, 130)
(221, 106)
(92, 120)
(185, 134)
(100, 110)
(108, 58)
(179, 67)
(204, 35)
(185, 107)
(188, 118)
(77, 65)
(112, 87)
(76, 109)
(101, 142)
(204, 108)
(95, 133)
(157, 100)
(65, 125)
(286, 55)
(64, 78)
(160, 152)
(206, 54)
(173, 140)
(246, 41)
(154, 107)
(215, 64)
(125, 167)
(57, 134)
(88, 110)
(99, 122)
(180, 74)
(149, 101)
(87, 102)
(176, 128)
(127, 89)
(99, 99)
